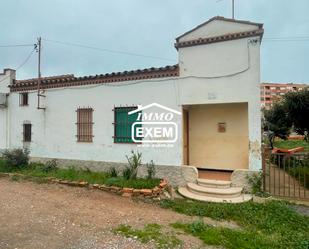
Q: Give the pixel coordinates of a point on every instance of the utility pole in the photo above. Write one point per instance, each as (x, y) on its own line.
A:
(38, 49)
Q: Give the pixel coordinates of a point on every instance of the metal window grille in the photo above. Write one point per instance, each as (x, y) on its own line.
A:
(23, 99)
(27, 132)
(84, 125)
(123, 124)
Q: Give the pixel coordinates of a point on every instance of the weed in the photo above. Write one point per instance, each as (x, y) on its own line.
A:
(151, 170)
(112, 172)
(134, 161)
(151, 232)
(273, 220)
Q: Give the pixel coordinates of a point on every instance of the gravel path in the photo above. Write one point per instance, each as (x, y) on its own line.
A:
(35, 216)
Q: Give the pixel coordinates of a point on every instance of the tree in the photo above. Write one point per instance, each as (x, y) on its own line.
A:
(277, 123)
(297, 107)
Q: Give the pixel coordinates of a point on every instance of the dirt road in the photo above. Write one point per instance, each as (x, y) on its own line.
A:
(35, 216)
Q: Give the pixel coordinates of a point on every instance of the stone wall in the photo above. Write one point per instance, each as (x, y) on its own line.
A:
(176, 175)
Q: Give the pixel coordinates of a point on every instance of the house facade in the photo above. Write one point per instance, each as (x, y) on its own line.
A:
(85, 120)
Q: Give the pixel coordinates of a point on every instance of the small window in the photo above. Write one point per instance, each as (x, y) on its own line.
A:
(123, 124)
(84, 125)
(23, 99)
(27, 132)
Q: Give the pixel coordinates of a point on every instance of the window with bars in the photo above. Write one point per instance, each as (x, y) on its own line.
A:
(27, 132)
(23, 99)
(123, 124)
(84, 125)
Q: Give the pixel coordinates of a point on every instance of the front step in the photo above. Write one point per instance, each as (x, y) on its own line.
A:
(213, 183)
(230, 192)
(213, 191)
(188, 194)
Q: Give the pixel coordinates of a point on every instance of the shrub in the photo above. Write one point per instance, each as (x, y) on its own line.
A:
(49, 166)
(16, 158)
(256, 183)
(112, 172)
(151, 170)
(135, 161)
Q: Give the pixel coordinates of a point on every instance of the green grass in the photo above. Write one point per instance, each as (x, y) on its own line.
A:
(301, 174)
(151, 232)
(272, 223)
(139, 183)
(290, 144)
(229, 238)
(71, 174)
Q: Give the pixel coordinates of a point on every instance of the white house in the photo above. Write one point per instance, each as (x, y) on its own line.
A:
(85, 121)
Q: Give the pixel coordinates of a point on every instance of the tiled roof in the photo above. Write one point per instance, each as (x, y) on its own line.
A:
(71, 80)
(226, 37)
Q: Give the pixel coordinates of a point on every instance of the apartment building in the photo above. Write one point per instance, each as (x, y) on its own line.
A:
(272, 92)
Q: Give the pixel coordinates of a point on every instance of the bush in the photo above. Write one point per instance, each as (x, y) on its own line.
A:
(151, 170)
(135, 161)
(16, 158)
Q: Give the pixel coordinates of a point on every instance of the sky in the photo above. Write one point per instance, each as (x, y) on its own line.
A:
(142, 27)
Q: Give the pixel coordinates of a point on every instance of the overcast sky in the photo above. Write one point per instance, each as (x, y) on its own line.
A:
(144, 27)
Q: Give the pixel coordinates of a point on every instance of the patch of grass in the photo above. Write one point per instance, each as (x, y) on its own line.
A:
(151, 232)
(273, 219)
(70, 174)
(138, 183)
(229, 238)
(290, 144)
(38, 170)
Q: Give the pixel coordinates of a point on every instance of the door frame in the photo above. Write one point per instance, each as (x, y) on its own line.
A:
(185, 132)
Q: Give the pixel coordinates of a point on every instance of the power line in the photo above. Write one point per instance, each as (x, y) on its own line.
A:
(22, 64)
(287, 39)
(16, 45)
(107, 50)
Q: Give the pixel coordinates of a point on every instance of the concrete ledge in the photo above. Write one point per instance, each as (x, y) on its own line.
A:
(176, 175)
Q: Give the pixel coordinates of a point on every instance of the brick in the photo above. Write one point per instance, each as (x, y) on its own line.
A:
(114, 189)
(83, 184)
(127, 194)
(103, 187)
(136, 192)
(163, 184)
(127, 190)
(95, 185)
(146, 191)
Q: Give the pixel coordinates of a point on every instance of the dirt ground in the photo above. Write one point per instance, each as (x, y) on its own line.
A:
(35, 216)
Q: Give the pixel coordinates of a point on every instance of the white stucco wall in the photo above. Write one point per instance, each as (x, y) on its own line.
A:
(54, 130)
(5, 79)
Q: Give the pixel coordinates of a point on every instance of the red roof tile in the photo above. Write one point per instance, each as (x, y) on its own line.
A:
(71, 80)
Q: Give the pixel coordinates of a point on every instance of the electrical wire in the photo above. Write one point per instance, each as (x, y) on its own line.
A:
(286, 39)
(172, 79)
(107, 50)
(22, 64)
(16, 45)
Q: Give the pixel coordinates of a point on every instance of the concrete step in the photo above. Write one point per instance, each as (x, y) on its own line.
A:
(188, 194)
(213, 183)
(214, 192)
